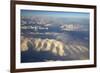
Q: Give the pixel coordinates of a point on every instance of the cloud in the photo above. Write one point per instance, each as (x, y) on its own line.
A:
(70, 27)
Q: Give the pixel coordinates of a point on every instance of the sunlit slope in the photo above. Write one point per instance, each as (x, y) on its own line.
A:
(56, 47)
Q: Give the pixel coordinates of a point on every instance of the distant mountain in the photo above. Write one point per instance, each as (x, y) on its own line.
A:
(66, 24)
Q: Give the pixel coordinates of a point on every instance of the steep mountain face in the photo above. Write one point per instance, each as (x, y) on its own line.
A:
(55, 47)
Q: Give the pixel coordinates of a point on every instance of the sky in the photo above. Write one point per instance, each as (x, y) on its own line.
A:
(55, 14)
